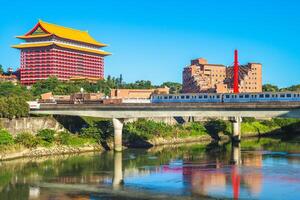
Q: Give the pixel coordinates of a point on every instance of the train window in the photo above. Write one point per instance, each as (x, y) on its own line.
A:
(241, 96)
(165, 97)
(182, 97)
(170, 97)
(200, 96)
(298, 95)
(218, 96)
(282, 95)
(187, 96)
(295, 95)
(261, 96)
(288, 95)
(205, 96)
(273, 95)
(247, 96)
(267, 96)
(227, 96)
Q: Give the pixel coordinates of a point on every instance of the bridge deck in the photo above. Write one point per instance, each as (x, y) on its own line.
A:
(172, 106)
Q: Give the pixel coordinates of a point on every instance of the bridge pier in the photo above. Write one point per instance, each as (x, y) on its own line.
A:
(118, 127)
(118, 171)
(236, 128)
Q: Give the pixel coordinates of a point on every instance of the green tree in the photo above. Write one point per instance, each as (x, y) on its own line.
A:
(270, 88)
(1, 69)
(44, 86)
(9, 89)
(175, 88)
(293, 88)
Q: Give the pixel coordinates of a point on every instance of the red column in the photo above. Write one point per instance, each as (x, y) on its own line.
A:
(236, 73)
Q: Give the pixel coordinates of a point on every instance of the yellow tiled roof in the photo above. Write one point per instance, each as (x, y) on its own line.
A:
(66, 33)
(27, 45)
(104, 53)
(33, 36)
(44, 44)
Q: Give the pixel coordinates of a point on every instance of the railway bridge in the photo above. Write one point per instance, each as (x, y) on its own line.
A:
(120, 112)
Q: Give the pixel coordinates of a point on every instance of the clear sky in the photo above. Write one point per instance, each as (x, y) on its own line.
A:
(154, 39)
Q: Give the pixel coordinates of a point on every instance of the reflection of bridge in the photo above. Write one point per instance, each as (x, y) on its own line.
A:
(206, 176)
(120, 112)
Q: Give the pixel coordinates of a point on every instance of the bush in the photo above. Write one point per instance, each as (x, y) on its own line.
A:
(27, 139)
(248, 119)
(216, 126)
(5, 137)
(91, 132)
(66, 138)
(47, 135)
(194, 129)
(284, 122)
(63, 137)
(269, 123)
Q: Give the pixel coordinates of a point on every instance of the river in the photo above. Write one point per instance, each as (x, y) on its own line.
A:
(255, 169)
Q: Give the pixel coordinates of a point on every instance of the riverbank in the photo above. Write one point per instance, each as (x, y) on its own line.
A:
(21, 152)
(97, 135)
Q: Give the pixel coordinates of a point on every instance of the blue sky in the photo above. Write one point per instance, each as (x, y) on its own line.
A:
(154, 40)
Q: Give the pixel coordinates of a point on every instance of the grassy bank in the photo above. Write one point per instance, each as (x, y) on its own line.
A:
(45, 142)
(282, 127)
(140, 133)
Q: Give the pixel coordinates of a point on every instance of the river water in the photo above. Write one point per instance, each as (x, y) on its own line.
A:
(255, 169)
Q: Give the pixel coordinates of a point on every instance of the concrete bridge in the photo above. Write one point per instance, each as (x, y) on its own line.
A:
(119, 112)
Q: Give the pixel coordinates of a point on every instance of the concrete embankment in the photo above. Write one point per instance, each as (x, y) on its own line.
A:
(30, 124)
(47, 151)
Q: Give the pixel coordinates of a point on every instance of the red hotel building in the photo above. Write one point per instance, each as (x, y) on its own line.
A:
(52, 50)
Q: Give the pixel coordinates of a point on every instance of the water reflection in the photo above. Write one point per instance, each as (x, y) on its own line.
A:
(251, 169)
(118, 171)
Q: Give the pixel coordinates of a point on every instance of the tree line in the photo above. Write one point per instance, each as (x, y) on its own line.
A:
(275, 88)
(13, 97)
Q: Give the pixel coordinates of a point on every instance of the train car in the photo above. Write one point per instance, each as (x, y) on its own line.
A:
(262, 97)
(187, 98)
(227, 97)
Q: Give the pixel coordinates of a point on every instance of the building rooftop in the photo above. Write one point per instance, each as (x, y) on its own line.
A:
(45, 29)
(45, 44)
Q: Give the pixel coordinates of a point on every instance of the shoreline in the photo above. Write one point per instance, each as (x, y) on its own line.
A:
(44, 151)
(64, 150)
(23, 152)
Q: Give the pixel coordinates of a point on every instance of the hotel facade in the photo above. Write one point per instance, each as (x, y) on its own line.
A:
(200, 76)
(53, 50)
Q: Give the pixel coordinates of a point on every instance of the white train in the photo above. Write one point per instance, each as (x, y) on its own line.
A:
(226, 98)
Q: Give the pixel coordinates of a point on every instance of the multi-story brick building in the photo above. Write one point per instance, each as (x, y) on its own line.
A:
(203, 77)
(52, 50)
